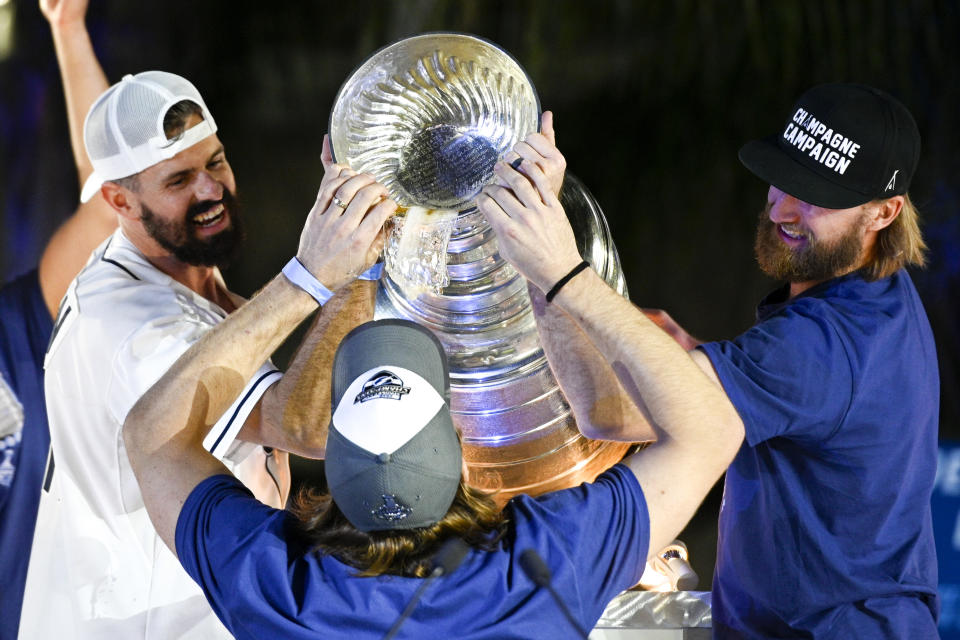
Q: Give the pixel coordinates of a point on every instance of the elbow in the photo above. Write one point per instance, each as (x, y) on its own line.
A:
(589, 427)
(311, 443)
(614, 419)
(619, 430)
(133, 438)
(296, 434)
(732, 433)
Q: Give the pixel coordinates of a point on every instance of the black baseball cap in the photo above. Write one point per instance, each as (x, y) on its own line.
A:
(393, 454)
(843, 145)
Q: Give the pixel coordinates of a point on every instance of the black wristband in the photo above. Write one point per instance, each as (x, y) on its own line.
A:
(565, 279)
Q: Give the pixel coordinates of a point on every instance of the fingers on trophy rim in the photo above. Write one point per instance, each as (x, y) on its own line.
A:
(330, 185)
(517, 180)
(353, 184)
(541, 183)
(377, 216)
(491, 207)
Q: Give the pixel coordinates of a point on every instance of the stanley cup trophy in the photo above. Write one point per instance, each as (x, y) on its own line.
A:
(428, 117)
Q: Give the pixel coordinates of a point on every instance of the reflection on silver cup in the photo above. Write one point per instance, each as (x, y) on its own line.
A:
(416, 249)
(430, 115)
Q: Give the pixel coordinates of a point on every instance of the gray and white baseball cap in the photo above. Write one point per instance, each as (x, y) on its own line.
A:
(123, 131)
(393, 455)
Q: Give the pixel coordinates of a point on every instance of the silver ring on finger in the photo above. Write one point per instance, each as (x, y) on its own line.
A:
(340, 203)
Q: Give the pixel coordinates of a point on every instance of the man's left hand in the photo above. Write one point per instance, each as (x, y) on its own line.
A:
(531, 225)
(541, 149)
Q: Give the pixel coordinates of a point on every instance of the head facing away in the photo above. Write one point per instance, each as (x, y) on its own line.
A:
(838, 174)
(394, 462)
(158, 162)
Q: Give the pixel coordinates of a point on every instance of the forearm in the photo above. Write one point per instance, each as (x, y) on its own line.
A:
(698, 429)
(653, 369)
(215, 369)
(83, 82)
(296, 411)
(163, 432)
(602, 408)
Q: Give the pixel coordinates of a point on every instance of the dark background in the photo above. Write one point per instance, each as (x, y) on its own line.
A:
(652, 101)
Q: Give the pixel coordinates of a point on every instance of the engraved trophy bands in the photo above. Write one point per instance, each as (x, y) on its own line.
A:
(428, 117)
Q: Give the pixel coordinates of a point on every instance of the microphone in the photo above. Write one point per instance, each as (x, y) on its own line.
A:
(446, 560)
(538, 571)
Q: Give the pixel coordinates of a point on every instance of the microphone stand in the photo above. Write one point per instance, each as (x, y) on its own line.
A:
(538, 571)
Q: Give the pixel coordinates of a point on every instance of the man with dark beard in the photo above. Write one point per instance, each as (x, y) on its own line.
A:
(825, 527)
(97, 567)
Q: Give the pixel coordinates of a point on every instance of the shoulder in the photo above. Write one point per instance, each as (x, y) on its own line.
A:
(24, 288)
(119, 292)
(112, 278)
(221, 527)
(615, 493)
(804, 331)
(790, 374)
(594, 537)
(104, 307)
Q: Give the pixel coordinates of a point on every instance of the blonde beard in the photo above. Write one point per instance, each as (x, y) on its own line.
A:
(817, 261)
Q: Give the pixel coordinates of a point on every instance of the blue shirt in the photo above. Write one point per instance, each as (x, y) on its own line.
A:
(825, 527)
(263, 584)
(25, 328)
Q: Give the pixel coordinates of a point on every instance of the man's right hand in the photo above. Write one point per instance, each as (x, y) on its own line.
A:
(344, 233)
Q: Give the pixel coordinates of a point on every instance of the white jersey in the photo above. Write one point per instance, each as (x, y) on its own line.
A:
(97, 567)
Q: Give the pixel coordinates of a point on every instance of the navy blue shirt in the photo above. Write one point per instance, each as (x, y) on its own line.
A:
(263, 584)
(825, 527)
(25, 328)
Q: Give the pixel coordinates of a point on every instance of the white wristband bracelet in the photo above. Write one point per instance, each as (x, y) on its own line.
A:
(373, 273)
(298, 275)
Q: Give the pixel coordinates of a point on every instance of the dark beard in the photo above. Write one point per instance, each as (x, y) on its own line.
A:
(182, 241)
(817, 261)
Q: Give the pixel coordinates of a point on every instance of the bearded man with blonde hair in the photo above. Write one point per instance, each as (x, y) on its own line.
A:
(825, 527)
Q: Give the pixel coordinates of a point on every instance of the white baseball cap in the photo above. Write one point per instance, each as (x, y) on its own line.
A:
(123, 131)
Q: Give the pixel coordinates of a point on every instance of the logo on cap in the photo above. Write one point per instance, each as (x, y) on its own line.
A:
(893, 181)
(391, 510)
(818, 140)
(384, 384)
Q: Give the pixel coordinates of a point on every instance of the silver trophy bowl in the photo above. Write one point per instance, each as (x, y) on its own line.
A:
(428, 117)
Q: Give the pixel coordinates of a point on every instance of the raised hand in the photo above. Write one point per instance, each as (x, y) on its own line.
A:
(343, 234)
(531, 225)
(63, 12)
(541, 149)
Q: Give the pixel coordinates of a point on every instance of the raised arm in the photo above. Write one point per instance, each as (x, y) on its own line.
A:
(294, 413)
(698, 429)
(602, 408)
(83, 81)
(163, 433)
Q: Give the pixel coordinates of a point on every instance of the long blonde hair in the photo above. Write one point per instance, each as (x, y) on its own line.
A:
(898, 245)
(473, 516)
